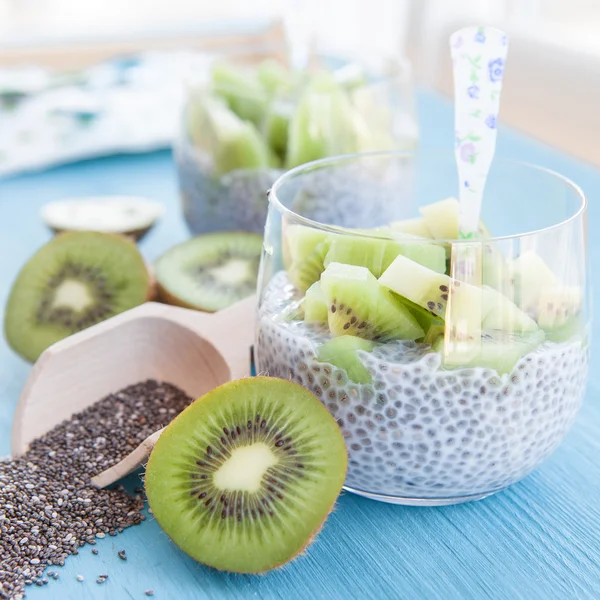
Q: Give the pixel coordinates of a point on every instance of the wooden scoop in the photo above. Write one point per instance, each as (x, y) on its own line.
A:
(192, 350)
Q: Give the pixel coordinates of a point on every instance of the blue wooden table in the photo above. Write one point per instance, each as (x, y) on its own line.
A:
(538, 540)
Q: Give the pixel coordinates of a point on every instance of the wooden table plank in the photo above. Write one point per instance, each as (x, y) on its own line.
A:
(538, 540)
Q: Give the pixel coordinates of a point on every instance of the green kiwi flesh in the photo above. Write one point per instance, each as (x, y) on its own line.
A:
(242, 90)
(276, 79)
(232, 142)
(378, 254)
(358, 305)
(315, 304)
(341, 352)
(243, 479)
(76, 280)
(210, 272)
(431, 324)
(496, 350)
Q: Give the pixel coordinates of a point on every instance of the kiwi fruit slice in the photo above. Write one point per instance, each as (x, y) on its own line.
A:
(504, 315)
(275, 78)
(460, 304)
(299, 241)
(432, 325)
(242, 90)
(129, 216)
(341, 352)
(496, 350)
(414, 226)
(210, 272)
(324, 122)
(441, 218)
(358, 305)
(244, 478)
(303, 274)
(315, 304)
(232, 142)
(378, 254)
(76, 280)
(276, 125)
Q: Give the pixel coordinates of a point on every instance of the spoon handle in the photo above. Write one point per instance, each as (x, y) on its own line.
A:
(478, 60)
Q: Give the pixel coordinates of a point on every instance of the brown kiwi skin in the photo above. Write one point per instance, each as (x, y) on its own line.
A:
(167, 298)
(152, 283)
(164, 296)
(136, 234)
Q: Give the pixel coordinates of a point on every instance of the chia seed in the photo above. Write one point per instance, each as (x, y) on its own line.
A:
(68, 511)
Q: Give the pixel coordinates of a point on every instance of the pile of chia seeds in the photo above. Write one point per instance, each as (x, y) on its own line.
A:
(48, 507)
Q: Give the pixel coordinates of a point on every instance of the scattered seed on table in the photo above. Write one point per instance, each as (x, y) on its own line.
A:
(101, 578)
(46, 494)
(94, 551)
(149, 592)
(122, 554)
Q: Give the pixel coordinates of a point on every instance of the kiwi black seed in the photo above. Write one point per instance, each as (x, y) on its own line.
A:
(76, 280)
(210, 272)
(244, 478)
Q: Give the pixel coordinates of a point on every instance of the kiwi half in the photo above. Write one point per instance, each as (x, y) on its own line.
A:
(129, 216)
(210, 272)
(76, 280)
(244, 478)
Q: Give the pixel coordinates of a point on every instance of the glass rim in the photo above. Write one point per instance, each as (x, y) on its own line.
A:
(279, 52)
(331, 160)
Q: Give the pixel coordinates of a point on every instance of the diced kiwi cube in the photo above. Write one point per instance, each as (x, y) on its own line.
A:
(315, 304)
(358, 305)
(341, 352)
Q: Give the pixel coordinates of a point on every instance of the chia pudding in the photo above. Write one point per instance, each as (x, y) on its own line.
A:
(211, 202)
(419, 430)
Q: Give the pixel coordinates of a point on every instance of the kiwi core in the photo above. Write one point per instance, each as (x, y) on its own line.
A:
(244, 470)
(72, 294)
(234, 270)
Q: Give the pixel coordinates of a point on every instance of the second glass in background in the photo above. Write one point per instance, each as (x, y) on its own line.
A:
(252, 118)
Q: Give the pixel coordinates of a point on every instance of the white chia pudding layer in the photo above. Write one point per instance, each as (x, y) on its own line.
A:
(421, 431)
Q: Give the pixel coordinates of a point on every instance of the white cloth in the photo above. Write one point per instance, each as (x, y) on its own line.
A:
(126, 105)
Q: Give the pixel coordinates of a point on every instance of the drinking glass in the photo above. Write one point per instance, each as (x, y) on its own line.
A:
(453, 367)
(233, 197)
